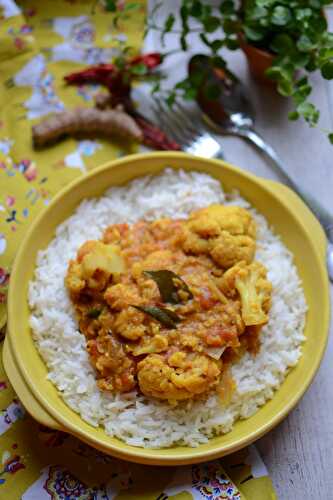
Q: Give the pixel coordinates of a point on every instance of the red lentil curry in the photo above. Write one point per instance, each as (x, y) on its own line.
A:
(166, 306)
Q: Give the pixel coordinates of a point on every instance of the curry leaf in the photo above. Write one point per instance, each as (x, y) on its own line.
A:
(94, 313)
(169, 284)
(165, 316)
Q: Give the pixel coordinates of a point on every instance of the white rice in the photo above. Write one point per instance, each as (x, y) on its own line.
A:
(136, 419)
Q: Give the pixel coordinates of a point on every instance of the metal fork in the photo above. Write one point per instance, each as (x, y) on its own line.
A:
(189, 133)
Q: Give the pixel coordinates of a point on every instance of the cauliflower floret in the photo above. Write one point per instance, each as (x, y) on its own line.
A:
(228, 249)
(225, 233)
(235, 220)
(227, 283)
(95, 263)
(129, 324)
(100, 262)
(179, 376)
(158, 343)
(121, 295)
(250, 281)
(194, 243)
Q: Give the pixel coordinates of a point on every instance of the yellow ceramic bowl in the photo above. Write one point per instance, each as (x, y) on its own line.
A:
(299, 230)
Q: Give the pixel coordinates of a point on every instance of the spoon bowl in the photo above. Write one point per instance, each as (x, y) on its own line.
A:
(221, 96)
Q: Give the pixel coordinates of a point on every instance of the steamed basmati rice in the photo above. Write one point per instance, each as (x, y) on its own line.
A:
(134, 418)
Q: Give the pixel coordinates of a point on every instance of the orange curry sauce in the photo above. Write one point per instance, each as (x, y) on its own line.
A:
(219, 313)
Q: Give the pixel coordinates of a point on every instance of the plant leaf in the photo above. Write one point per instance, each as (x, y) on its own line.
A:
(211, 24)
(139, 69)
(168, 25)
(196, 9)
(282, 43)
(232, 43)
(285, 88)
(304, 44)
(327, 70)
(169, 283)
(216, 45)
(190, 94)
(281, 16)
(293, 115)
(170, 100)
(227, 7)
(253, 34)
(165, 316)
(309, 113)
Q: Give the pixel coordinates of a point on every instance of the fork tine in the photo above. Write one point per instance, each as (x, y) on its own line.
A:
(188, 134)
(177, 120)
(189, 123)
(163, 122)
(170, 126)
(159, 115)
(191, 135)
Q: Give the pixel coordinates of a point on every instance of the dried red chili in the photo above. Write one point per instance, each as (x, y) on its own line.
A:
(118, 83)
(154, 137)
(94, 74)
(103, 73)
(150, 60)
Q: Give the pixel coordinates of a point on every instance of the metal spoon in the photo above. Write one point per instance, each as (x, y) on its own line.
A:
(231, 114)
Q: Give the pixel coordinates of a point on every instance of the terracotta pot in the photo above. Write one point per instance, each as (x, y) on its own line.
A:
(258, 61)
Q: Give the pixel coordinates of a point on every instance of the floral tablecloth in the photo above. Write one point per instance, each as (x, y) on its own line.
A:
(41, 41)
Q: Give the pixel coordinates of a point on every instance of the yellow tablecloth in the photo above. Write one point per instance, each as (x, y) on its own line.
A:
(38, 46)
(40, 42)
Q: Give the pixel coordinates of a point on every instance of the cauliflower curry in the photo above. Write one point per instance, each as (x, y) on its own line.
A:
(165, 306)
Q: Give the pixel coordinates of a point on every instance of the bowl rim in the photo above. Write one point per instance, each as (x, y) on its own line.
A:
(148, 455)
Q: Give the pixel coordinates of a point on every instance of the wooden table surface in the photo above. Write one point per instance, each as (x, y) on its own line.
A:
(299, 452)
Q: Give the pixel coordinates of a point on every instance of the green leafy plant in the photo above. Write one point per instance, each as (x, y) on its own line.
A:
(294, 32)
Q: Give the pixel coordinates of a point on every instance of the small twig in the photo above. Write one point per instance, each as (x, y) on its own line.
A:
(173, 31)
